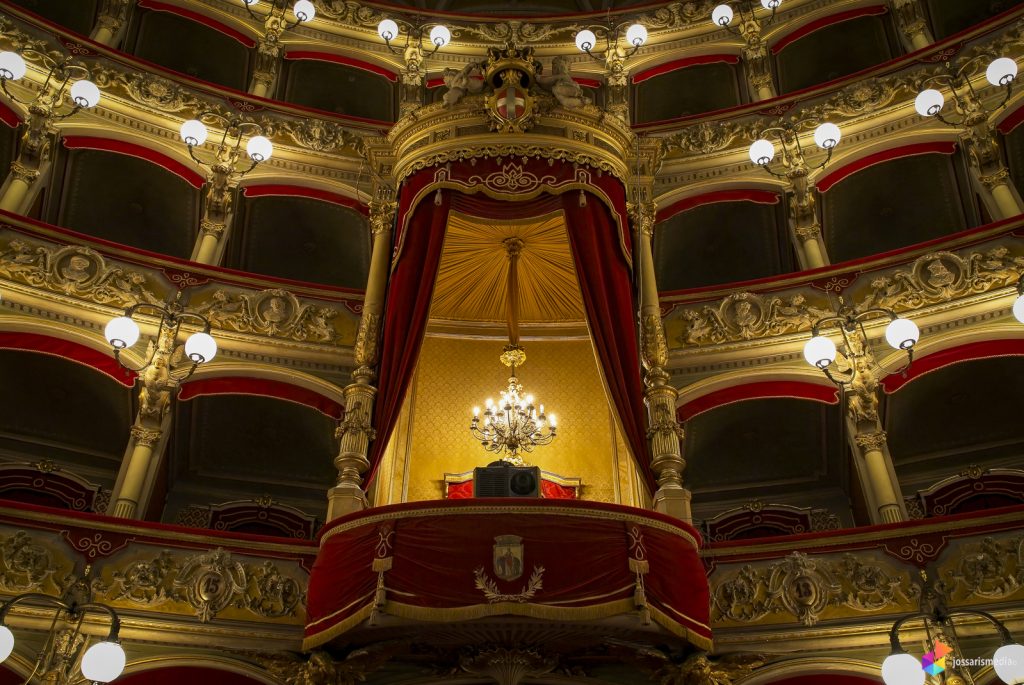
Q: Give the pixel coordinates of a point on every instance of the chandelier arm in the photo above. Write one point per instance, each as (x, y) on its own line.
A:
(1004, 632)
(30, 597)
(73, 111)
(192, 154)
(1006, 98)
(197, 317)
(773, 173)
(3, 84)
(894, 632)
(1020, 285)
(251, 167)
(947, 122)
(824, 321)
(115, 620)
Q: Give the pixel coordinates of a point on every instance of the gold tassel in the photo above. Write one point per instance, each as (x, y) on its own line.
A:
(583, 199)
(437, 198)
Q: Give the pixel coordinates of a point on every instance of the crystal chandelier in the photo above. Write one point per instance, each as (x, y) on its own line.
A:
(514, 424)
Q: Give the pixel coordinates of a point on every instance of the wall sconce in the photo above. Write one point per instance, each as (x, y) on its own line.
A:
(82, 92)
(586, 39)
(929, 102)
(304, 11)
(389, 29)
(723, 14)
(821, 352)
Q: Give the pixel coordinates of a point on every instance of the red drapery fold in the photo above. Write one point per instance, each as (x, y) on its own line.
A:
(607, 298)
(405, 315)
(604, 277)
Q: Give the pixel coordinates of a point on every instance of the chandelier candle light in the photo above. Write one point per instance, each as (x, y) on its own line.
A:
(514, 424)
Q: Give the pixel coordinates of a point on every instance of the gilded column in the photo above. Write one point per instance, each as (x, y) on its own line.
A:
(144, 441)
(217, 211)
(156, 389)
(356, 432)
(411, 92)
(803, 221)
(616, 86)
(26, 172)
(268, 57)
(913, 27)
(988, 169)
(664, 431)
(756, 61)
(110, 22)
(874, 466)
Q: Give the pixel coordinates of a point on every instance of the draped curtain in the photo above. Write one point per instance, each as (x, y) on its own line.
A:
(604, 276)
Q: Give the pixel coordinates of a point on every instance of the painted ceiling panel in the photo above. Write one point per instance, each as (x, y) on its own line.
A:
(472, 277)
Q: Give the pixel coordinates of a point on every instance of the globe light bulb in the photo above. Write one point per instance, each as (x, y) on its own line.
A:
(250, 3)
(259, 149)
(771, 4)
(440, 35)
(929, 102)
(12, 66)
(85, 93)
(636, 35)
(200, 347)
(722, 15)
(6, 643)
(827, 136)
(121, 332)
(1008, 663)
(387, 29)
(819, 351)
(1001, 71)
(762, 152)
(585, 40)
(103, 662)
(304, 10)
(902, 669)
(902, 334)
(1018, 308)
(194, 132)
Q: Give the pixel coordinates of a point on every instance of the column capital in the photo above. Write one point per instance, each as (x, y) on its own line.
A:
(805, 233)
(146, 437)
(644, 215)
(382, 215)
(874, 441)
(23, 173)
(212, 228)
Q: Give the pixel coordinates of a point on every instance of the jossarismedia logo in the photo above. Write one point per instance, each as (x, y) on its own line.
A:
(934, 662)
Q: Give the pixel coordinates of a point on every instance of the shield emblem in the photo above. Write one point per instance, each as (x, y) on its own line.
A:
(508, 557)
(510, 102)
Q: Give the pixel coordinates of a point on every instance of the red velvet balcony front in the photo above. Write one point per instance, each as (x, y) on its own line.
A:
(533, 566)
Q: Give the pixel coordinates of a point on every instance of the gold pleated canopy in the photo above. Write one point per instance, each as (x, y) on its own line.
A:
(472, 277)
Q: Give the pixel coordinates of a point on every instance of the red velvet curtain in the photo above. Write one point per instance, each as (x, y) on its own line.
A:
(607, 296)
(604, 277)
(405, 314)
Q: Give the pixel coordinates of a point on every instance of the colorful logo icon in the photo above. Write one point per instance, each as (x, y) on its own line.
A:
(934, 662)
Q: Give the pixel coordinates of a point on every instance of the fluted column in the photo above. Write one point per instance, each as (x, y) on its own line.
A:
(27, 171)
(989, 172)
(804, 225)
(355, 432)
(913, 27)
(757, 65)
(874, 466)
(110, 22)
(136, 472)
(664, 431)
(156, 390)
(217, 214)
(887, 506)
(268, 57)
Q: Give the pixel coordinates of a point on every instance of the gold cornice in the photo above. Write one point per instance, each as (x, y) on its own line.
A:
(437, 134)
(825, 543)
(176, 535)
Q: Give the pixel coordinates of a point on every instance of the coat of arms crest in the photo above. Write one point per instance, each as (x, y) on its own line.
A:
(508, 557)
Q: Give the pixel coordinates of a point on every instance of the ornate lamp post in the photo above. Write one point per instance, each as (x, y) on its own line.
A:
(225, 168)
(66, 83)
(755, 52)
(971, 116)
(102, 662)
(943, 651)
(268, 50)
(795, 169)
(413, 52)
(614, 58)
